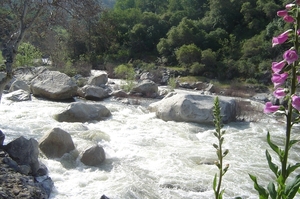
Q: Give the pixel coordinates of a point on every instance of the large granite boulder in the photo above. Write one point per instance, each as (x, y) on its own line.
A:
(146, 88)
(93, 156)
(99, 79)
(53, 85)
(24, 152)
(56, 142)
(18, 96)
(92, 92)
(83, 112)
(193, 108)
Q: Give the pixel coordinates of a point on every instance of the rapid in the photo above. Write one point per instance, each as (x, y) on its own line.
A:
(146, 157)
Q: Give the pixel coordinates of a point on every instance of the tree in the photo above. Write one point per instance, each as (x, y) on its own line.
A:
(18, 17)
(188, 54)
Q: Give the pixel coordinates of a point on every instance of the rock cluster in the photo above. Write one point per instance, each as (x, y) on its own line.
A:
(21, 174)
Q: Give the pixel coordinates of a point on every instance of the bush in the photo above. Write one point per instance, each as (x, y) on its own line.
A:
(188, 54)
(125, 71)
(172, 82)
(27, 55)
(196, 68)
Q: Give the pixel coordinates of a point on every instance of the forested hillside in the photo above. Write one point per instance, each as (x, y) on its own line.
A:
(223, 39)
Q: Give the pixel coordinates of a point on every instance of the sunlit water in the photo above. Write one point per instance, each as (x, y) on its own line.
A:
(147, 158)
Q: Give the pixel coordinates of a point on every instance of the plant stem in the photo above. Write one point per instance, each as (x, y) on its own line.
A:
(289, 123)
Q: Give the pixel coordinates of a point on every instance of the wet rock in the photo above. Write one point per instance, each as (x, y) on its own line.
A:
(119, 93)
(92, 92)
(19, 85)
(16, 176)
(24, 152)
(93, 156)
(56, 142)
(83, 112)
(18, 96)
(146, 88)
(98, 79)
(193, 108)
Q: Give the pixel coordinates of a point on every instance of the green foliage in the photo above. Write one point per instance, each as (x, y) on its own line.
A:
(196, 68)
(125, 71)
(172, 83)
(219, 134)
(186, 55)
(27, 55)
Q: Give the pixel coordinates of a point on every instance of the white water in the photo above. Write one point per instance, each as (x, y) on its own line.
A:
(147, 158)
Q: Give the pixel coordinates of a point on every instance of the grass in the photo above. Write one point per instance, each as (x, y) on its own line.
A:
(192, 79)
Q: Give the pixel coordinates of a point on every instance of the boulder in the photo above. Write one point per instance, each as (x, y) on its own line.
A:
(119, 93)
(27, 74)
(24, 152)
(193, 108)
(19, 84)
(199, 85)
(99, 79)
(146, 76)
(93, 156)
(83, 112)
(56, 142)
(146, 88)
(92, 92)
(18, 96)
(53, 85)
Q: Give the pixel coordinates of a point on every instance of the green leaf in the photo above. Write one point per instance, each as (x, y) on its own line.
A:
(221, 194)
(275, 147)
(272, 166)
(263, 194)
(272, 190)
(292, 187)
(290, 168)
(292, 142)
(215, 183)
(272, 145)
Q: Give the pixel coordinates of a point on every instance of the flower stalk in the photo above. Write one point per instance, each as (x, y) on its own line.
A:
(219, 134)
(283, 72)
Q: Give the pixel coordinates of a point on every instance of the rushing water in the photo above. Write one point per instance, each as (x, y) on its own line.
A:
(147, 158)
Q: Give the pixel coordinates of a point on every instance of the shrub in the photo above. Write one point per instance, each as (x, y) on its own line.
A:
(125, 71)
(27, 55)
(196, 68)
(188, 54)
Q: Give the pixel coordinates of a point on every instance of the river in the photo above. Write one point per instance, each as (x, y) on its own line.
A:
(147, 158)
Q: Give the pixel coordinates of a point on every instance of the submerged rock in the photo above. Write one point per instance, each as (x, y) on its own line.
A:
(83, 112)
(93, 156)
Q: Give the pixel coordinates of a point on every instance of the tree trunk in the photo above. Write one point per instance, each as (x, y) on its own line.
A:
(8, 54)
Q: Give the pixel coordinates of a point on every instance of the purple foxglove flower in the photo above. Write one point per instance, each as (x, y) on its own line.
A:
(281, 38)
(289, 6)
(290, 56)
(298, 78)
(298, 2)
(296, 102)
(278, 66)
(282, 13)
(279, 79)
(279, 93)
(298, 31)
(288, 19)
(270, 108)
